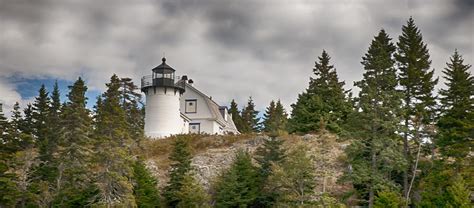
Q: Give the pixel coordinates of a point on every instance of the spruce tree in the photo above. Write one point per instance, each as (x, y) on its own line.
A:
(268, 118)
(111, 152)
(237, 186)
(294, 179)
(457, 112)
(9, 192)
(54, 118)
(192, 194)
(275, 118)
(145, 186)
(18, 140)
(375, 151)
(270, 153)
(325, 102)
(458, 194)
(235, 113)
(180, 167)
(131, 101)
(27, 125)
(75, 148)
(250, 120)
(416, 80)
(42, 133)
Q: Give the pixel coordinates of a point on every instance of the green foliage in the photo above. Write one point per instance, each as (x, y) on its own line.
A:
(388, 199)
(75, 149)
(294, 179)
(327, 201)
(271, 152)
(180, 167)
(235, 113)
(250, 120)
(457, 117)
(111, 150)
(443, 188)
(458, 194)
(145, 186)
(192, 194)
(238, 185)
(324, 105)
(8, 190)
(275, 118)
(42, 133)
(130, 102)
(375, 151)
(417, 84)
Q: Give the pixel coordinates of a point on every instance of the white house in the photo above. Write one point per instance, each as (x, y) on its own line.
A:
(175, 106)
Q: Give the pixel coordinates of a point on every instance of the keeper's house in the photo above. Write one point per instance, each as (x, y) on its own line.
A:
(175, 106)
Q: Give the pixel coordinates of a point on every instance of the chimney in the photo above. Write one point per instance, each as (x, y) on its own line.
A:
(190, 82)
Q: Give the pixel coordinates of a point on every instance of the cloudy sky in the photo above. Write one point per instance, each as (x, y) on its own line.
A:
(231, 49)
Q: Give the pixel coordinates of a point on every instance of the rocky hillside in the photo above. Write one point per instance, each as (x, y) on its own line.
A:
(212, 154)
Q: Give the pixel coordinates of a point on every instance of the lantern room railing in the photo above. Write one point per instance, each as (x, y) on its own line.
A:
(148, 81)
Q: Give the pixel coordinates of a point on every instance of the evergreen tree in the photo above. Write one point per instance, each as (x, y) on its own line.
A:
(271, 152)
(42, 133)
(293, 180)
(443, 187)
(8, 189)
(75, 149)
(131, 101)
(54, 118)
(275, 118)
(388, 199)
(192, 194)
(250, 120)
(458, 194)
(112, 140)
(27, 125)
(456, 125)
(17, 139)
(235, 113)
(237, 186)
(145, 186)
(180, 167)
(375, 151)
(324, 104)
(416, 80)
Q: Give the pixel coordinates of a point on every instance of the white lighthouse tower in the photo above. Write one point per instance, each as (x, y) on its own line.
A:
(162, 114)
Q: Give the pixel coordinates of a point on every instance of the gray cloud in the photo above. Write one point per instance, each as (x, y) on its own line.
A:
(232, 49)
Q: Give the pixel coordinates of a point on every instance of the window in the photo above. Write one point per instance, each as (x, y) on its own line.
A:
(194, 128)
(191, 106)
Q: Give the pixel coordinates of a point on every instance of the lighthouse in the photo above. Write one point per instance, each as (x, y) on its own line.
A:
(162, 91)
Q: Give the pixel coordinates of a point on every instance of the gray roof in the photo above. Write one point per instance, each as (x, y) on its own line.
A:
(163, 67)
(228, 125)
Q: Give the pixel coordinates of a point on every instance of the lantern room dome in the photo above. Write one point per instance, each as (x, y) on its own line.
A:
(163, 68)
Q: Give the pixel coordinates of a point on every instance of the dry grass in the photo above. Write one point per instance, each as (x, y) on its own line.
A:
(159, 150)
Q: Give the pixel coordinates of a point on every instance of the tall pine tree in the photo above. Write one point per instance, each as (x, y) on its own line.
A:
(275, 118)
(42, 133)
(235, 113)
(111, 150)
(324, 104)
(456, 125)
(375, 151)
(270, 153)
(180, 167)
(145, 186)
(75, 149)
(416, 80)
(237, 186)
(131, 102)
(250, 120)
